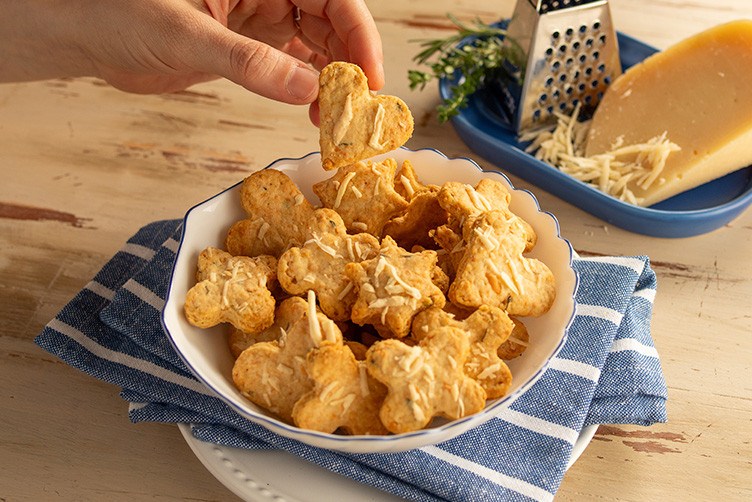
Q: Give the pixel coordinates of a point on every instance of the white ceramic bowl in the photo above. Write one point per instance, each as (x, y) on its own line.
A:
(206, 352)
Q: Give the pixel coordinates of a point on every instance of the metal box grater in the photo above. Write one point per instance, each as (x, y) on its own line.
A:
(565, 52)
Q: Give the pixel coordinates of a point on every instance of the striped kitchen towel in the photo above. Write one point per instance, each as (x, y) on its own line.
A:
(607, 372)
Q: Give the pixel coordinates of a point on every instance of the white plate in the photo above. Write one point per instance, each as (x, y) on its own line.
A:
(279, 476)
(205, 351)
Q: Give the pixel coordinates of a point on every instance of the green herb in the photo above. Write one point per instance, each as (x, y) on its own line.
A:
(481, 55)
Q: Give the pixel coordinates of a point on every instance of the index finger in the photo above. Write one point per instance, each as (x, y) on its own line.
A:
(354, 25)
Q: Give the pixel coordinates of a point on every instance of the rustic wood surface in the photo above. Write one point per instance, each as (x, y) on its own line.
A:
(84, 166)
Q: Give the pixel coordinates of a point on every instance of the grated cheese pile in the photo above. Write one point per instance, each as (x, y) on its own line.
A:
(563, 146)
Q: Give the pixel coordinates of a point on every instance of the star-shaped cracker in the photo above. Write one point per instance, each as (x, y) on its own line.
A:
(233, 289)
(393, 287)
(273, 374)
(319, 265)
(425, 381)
(344, 395)
(354, 123)
(487, 329)
(493, 270)
(363, 194)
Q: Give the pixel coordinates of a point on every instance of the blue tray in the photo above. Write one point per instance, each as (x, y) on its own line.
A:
(697, 211)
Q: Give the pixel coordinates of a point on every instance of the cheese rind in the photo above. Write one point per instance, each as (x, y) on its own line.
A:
(698, 93)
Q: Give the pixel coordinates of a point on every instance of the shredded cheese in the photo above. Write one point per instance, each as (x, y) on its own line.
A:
(378, 128)
(342, 188)
(345, 291)
(313, 321)
(563, 147)
(343, 122)
(408, 186)
(489, 371)
(364, 390)
(327, 249)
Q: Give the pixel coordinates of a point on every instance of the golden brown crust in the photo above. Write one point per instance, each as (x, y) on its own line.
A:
(286, 314)
(425, 381)
(415, 225)
(363, 194)
(319, 265)
(487, 329)
(354, 124)
(273, 374)
(344, 395)
(393, 287)
(494, 272)
(233, 289)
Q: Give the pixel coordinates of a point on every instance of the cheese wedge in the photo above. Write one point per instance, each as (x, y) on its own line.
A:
(699, 92)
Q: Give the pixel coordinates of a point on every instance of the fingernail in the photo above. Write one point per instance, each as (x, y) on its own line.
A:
(302, 83)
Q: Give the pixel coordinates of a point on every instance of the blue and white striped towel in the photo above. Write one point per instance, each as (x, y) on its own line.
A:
(607, 372)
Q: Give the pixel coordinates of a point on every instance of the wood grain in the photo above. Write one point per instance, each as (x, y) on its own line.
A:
(85, 166)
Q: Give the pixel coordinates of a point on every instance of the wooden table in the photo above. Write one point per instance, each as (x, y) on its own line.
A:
(84, 166)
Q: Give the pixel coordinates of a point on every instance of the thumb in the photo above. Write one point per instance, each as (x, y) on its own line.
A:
(256, 66)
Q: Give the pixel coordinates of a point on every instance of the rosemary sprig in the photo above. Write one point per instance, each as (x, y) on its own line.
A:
(481, 54)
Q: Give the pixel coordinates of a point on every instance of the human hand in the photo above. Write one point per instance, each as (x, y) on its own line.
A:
(155, 46)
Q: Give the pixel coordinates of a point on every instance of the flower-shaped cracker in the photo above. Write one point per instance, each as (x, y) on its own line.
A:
(232, 289)
(320, 265)
(393, 287)
(486, 329)
(425, 381)
(273, 374)
(363, 194)
(344, 394)
(494, 272)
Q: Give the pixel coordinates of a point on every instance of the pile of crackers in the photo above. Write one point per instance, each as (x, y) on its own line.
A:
(388, 304)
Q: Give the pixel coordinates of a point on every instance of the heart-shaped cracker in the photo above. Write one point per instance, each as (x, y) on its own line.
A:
(355, 124)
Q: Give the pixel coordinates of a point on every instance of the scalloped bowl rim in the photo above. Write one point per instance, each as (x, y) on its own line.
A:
(175, 327)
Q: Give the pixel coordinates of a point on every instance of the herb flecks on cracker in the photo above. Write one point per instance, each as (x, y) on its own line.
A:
(232, 289)
(393, 287)
(273, 374)
(493, 270)
(426, 380)
(354, 123)
(364, 195)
